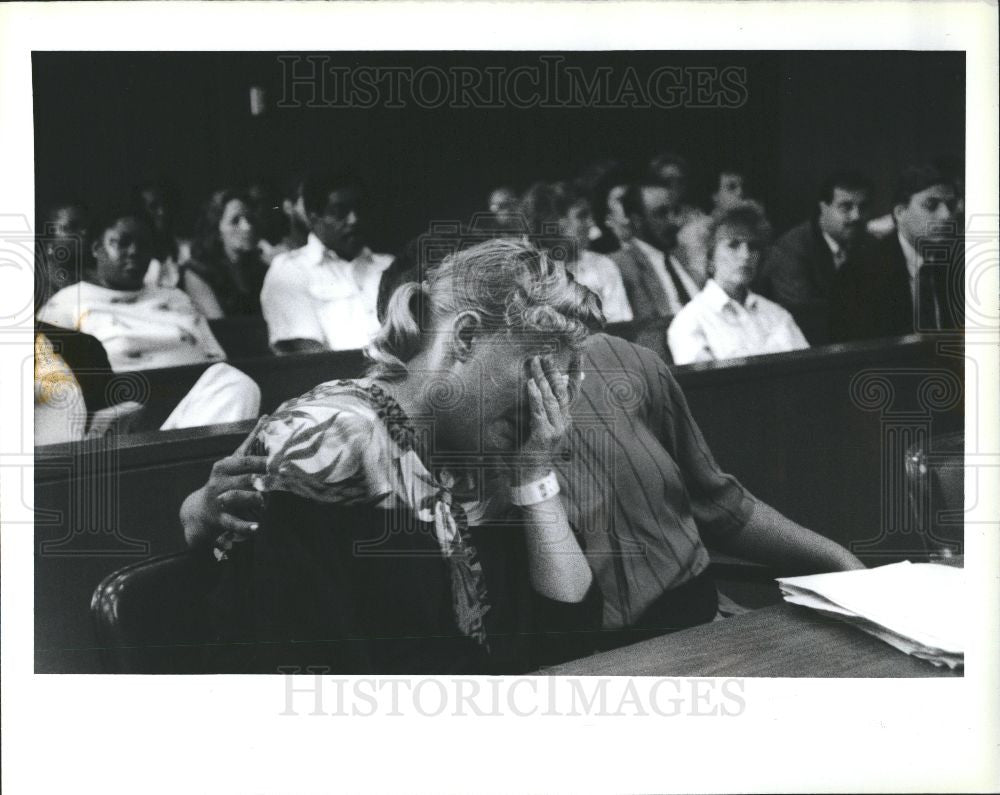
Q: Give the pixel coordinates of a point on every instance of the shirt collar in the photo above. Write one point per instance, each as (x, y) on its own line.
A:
(831, 244)
(911, 255)
(319, 253)
(718, 299)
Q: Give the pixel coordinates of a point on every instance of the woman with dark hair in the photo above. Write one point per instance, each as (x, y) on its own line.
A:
(726, 320)
(560, 220)
(226, 273)
(410, 520)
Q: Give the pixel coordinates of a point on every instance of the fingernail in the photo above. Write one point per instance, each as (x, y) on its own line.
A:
(254, 526)
(258, 482)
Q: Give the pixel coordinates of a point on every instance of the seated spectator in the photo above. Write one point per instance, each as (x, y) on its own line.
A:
(265, 207)
(657, 285)
(62, 411)
(801, 268)
(605, 183)
(145, 327)
(910, 281)
(62, 254)
(155, 203)
(87, 361)
(505, 213)
(560, 220)
(729, 189)
(140, 327)
(726, 320)
(323, 295)
(295, 225)
(372, 557)
(952, 167)
(225, 274)
(672, 172)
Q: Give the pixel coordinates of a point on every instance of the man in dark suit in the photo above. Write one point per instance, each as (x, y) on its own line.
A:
(802, 266)
(910, 281)
(656, 283)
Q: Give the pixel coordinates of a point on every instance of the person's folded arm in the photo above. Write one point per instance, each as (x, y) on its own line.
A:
(556, 565)
(772, 539)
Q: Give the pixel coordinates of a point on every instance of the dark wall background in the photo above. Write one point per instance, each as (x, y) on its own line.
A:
(104, 121)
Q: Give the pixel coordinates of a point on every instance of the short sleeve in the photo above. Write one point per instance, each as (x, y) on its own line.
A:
(286, 304)
(326, 453)
(721, 506)
(59, 310)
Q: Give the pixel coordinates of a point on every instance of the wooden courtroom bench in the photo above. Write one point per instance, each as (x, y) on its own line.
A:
(279, 378)
(813, 432)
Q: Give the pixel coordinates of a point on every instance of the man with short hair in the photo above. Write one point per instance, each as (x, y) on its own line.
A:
(802, 266)
(671, 170)
(657, 284)
(729, 188)
(322, 296)
(909, 281)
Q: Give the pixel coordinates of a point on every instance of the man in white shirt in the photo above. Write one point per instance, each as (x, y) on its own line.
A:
(801, 268)
(725, 320)
(657, 284)
(323, 296)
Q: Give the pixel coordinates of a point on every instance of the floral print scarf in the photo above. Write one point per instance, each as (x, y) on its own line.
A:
(350, 443)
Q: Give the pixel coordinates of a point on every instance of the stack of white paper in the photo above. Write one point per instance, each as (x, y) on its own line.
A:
(916, 607)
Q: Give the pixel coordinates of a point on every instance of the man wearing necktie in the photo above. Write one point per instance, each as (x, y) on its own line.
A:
(655, 281)
(912, 280)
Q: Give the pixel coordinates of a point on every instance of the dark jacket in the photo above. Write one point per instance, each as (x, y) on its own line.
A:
(874, 298)
(798, 272)
(650, 310)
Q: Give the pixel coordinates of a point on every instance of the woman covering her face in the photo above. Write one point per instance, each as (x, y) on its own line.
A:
(410, 521)
(226, 272)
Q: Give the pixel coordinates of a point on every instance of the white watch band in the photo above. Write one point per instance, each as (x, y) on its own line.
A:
(535, 492)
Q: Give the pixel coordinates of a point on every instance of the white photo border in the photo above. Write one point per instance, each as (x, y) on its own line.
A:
(221, 734)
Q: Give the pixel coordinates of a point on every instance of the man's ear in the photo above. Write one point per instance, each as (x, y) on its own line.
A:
(464, 329)
(96, 246)
(898, 210)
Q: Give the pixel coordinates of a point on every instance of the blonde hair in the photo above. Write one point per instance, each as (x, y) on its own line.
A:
(510, 286)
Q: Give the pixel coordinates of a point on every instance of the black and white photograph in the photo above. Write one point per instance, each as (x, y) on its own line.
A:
(539, 382)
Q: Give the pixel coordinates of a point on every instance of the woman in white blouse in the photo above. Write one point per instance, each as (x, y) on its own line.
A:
(725, 320)
(561, 222)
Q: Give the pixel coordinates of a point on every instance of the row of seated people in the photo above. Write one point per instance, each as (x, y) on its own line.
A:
(639, 221)
(685, 306)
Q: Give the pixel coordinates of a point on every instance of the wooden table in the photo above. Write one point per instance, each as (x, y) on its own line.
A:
(780, 641)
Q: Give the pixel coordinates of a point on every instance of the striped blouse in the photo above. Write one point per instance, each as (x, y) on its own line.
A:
(640, 483)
